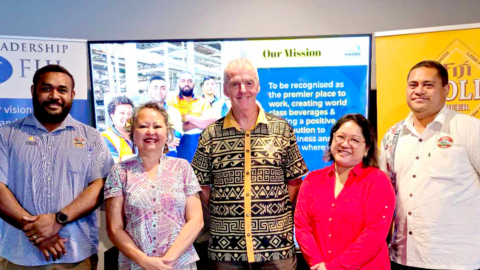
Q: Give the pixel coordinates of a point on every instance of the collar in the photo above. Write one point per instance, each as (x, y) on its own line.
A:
(357, 170)
(230, 121)
(31, 120)
(115, 130)
(215, 99)
(180, 97)
(439, 118)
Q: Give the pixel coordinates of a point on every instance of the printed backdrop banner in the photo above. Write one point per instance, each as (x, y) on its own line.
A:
(456, 47)
(20, 57)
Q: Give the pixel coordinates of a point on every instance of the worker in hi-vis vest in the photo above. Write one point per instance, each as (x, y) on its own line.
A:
(117, 137)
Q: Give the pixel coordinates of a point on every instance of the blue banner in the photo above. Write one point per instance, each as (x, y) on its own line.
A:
(312, 99)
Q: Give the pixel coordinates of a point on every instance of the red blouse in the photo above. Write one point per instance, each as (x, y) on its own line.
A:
(350, 231)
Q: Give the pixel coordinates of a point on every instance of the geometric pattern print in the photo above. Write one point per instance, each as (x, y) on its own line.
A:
(275, 159)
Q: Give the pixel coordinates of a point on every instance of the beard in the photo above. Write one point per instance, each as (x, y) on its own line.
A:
(186, 91)
(43, 116)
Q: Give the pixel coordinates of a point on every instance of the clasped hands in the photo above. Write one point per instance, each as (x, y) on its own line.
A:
(42, 231)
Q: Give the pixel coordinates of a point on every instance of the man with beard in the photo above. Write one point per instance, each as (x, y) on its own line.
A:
(52, 171)
(117, 138)
(196, 115)
(158, 92)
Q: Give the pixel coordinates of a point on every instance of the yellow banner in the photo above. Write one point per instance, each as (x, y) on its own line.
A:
(457, 50)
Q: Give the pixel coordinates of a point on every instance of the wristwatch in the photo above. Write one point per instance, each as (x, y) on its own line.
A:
(61, 218)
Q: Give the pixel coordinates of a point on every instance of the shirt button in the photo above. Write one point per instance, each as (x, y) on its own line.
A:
(248, 151)
(329, 251)
(247, 215)
(329, 235)
(154, 199)
(154, 212)
(330, 219)
(48, 178)
(154, 225)
(414, 176)
(247, 194)
(248, 235)
(247, 173)
(154, 238)
(410, 233)
(409, 213)
(420, 140)
(248, 135)
(411, 194)
(333, 204)
(153, 186)
(417, 157)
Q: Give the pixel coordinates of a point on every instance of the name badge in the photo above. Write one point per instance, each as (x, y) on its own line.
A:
(445, 142)
(31, 141)
(79, 142)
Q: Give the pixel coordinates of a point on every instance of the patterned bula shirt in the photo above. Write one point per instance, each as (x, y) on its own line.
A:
(251, 214)
(154, 211)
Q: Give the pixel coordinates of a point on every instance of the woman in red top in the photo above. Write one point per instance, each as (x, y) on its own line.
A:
(344, 211)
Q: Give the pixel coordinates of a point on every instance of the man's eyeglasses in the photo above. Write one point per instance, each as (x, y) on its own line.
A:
(353, 142)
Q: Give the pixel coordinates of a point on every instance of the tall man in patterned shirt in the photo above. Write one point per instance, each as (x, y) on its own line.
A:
(52, 171)
(250, 169)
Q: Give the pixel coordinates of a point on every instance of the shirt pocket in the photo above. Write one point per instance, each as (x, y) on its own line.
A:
(78, 160)
(444, 163)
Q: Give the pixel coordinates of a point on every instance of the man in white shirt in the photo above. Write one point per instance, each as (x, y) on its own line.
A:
(433, 159)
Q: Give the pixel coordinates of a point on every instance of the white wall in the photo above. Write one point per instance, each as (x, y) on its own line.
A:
(210, 19)
(180, 19)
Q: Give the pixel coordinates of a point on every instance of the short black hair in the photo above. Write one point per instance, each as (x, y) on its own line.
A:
(157, 78)
(368, 133)
(206, 78)
(441, 70)
(119, 100)
(51, 68)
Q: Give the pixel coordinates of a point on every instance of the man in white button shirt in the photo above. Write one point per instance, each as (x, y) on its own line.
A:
(433, 159)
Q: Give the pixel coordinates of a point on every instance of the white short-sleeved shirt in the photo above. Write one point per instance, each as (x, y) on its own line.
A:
(438, 193)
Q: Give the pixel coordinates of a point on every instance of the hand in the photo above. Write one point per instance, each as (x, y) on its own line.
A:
(41, 227)
(54, 245)
(185, 118)
(174, 143)
(319, 266)
(155, 263)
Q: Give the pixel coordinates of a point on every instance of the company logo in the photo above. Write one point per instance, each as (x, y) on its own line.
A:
(445, 142)
(463, 65)
(355, 52)
(6, 70)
